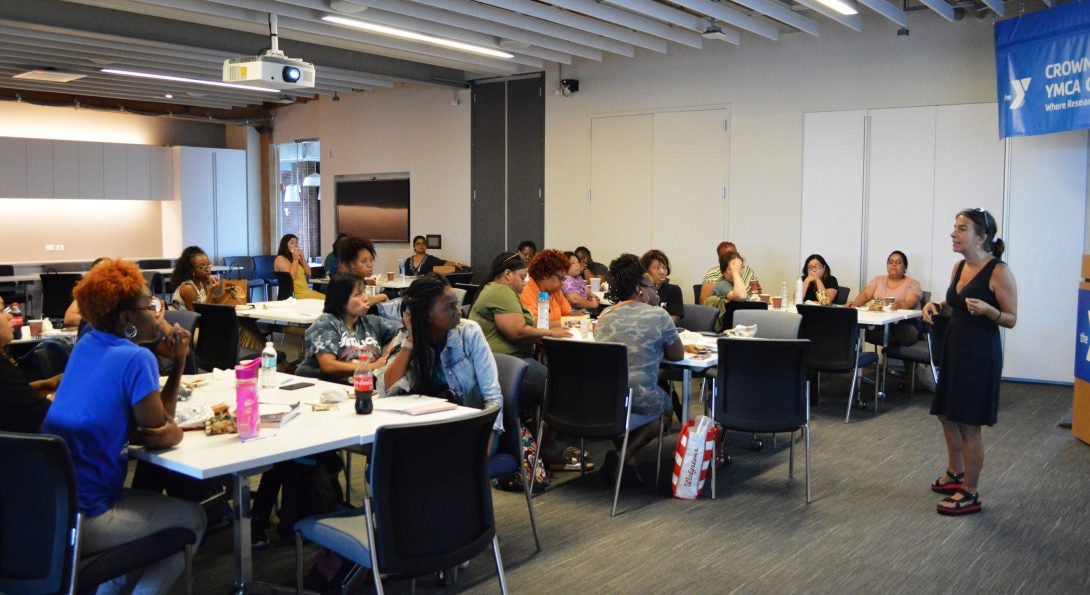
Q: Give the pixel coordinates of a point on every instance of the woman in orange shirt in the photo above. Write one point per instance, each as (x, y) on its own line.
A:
(547, 269)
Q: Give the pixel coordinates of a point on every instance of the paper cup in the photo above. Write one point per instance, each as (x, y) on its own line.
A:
(777, 302)
(390, 275)
(35, 327)
(764, 297)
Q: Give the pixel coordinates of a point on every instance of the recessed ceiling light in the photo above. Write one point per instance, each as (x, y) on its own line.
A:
(840, 6)
(413, 36)
(346, 6)
(49, 76)
(168, 96)
(182, 79)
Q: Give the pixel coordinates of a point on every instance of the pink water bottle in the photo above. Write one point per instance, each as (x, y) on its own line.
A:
(248, 417)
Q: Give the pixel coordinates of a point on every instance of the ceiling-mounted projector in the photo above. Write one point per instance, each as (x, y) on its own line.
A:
(270, 71)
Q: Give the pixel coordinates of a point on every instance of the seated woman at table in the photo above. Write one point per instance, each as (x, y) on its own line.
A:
(345, 332)
(818, 283)
(574, 287)
(110, 392)
(591, 267)
(194, 282)
(357, 255)
(24, 403)
(421, 262)
(330, 262)
(657, 266)
(650, 335)
(441, 354)
(72, 317)
(547, 270)
(906, 295)
(290, 259)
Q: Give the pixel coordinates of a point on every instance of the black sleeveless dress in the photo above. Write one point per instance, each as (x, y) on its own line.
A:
(972, 359)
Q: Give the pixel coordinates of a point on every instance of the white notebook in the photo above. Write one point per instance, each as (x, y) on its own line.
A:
(414, 404)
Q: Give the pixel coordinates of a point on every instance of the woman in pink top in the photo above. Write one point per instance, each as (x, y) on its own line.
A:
(906, 295)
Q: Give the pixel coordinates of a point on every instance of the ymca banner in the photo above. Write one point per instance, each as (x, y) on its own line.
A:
(1042, 63)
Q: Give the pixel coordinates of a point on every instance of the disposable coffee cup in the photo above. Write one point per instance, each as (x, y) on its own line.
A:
(777, 302)
(888, 301)
(596, 284)
(390, 275)
(35, 328)
(764, 297)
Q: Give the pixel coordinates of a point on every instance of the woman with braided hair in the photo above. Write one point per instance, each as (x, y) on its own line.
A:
(441, 354)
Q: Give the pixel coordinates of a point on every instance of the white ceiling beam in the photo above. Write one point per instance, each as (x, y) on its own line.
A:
(941, 7)
(887, 10)
(520, 21)
(97, 90)
(630, 20)
(674, 16)
(851, 21)
(728, 15)
(996, 6)
(563, 17)
(774, 10)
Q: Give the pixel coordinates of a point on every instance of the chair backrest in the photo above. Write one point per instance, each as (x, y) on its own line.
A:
(431, 497)
(459, 277)
(285, 286)
(39, 516)
(155, 282)
(699, 319)
(7, 270)
(263, 266)
(842, 294)
(509, 372)
(47, 359)
(924, 298)
(239, 267)
(771, 324)
(833, 334)
(761, 384)
(218, 340)
(696, 293)
(587, 387)
(471, 292)
(155, 263)
(187, 320)
(727, 320)
(57, 293)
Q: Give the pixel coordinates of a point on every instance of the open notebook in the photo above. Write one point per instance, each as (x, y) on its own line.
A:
(414, 404)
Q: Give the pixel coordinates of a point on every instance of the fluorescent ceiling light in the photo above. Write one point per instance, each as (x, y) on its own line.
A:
(182, 79)
(840, 6)
(51, 76)
(412, 36)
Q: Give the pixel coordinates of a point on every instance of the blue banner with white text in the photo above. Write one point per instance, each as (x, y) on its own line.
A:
(1042, 63)
(1082, 337)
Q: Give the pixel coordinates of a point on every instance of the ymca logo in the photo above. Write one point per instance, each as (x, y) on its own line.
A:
(1019, 86)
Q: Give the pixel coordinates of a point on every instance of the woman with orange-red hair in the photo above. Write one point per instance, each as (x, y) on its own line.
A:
(547, 270)
(109, 391)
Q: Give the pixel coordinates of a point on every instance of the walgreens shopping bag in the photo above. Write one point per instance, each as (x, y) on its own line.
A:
(695, 450)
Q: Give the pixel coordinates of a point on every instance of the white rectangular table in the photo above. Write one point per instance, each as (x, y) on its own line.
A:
(202, 457)
(289, 311)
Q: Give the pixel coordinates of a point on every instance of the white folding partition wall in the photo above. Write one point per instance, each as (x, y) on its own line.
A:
(659, 180)
(917, 168)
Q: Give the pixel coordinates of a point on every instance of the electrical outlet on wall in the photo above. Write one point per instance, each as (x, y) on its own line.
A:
(50, 247)
(60, 247)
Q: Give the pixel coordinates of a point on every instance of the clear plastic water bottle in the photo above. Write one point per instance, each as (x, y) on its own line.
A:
(543, 310)
(401, 269)
(268, 366)
(798, 291)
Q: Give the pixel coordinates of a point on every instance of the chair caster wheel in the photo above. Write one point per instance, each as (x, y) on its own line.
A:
(757, 444)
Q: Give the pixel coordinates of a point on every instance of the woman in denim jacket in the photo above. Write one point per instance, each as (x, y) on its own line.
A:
(441, 354)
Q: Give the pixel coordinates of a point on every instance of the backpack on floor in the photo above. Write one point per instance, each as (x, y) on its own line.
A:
(514, 482)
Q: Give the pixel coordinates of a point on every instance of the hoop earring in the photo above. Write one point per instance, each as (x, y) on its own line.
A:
(130, 331)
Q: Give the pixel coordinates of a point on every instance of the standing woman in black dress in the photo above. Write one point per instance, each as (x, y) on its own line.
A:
(983, 297)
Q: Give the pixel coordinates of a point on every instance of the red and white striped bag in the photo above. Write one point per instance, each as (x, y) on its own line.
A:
(692, 458)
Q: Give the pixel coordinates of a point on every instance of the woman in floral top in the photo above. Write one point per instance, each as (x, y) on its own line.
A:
(574, 288)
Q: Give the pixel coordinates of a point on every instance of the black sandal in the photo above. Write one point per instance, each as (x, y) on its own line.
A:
(949, 487)
(969, 503)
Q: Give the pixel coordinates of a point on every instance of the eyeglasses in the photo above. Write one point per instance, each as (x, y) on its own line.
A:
(203, 267)
(419, 244)
(985, 213)
(155, 305)
(817, 266)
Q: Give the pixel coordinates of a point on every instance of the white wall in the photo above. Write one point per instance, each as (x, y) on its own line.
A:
(768, 86)
(407, 128)
(89, 228)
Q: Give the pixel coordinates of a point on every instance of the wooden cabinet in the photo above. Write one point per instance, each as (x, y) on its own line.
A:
(212, 197)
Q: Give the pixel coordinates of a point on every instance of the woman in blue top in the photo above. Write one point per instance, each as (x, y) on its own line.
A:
(442, 354)
(110, 391)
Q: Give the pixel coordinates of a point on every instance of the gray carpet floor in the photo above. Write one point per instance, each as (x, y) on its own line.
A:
(872, 526)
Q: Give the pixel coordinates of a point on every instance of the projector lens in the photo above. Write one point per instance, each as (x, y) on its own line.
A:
(291, 74)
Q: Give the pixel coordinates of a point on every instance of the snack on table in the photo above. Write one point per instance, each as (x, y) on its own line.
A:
(876, 305)
(221, 422)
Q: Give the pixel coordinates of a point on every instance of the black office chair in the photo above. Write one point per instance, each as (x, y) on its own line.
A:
(156, 284)
(459, 277)
(699, 319)
(285, 286)
(927, 351)
(57, 293)
(696, 293)
(836, 345)
(420, 522)
(471, 292)
(771, 324)
(726, 321)
(40, 518)
(242, 267)
(47, 359)
(187, 320)
(263, 268)
(10, 292)
(842, 294)
(508, 458)
(218, 338)
(762, 388)
(587, 395)
(155, 263)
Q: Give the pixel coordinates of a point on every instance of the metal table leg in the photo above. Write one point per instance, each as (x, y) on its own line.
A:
(686, 382)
